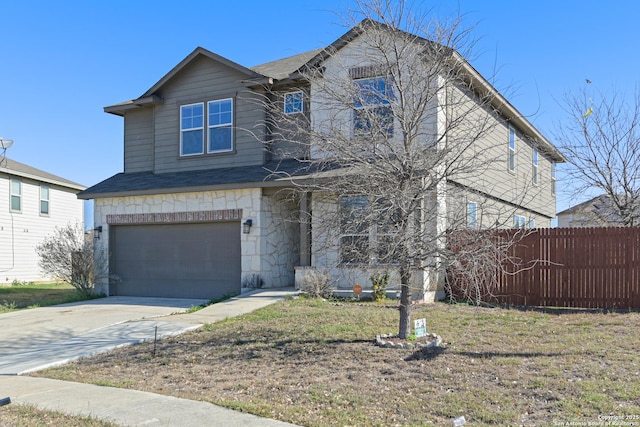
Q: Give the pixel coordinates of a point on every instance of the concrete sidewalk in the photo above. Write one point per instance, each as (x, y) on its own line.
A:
(136, 408)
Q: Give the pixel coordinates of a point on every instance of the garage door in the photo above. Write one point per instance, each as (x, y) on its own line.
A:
(176, 260)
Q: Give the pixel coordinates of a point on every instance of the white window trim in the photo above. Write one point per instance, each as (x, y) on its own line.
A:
(230, 125)
(363, 106)
(535, 160)
(291, 94)
(48, 200)
(204, 114)
(553, 178)
(12, 195)
(511, 151)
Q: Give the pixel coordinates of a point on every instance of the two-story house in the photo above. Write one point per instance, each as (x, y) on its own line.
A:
(36, 203)
(599, 211)
(197, 211)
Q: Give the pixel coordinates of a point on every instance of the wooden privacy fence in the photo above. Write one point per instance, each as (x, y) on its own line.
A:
(566, 267)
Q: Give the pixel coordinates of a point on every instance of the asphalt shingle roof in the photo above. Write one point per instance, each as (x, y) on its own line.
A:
(143, 182)
(12, 167)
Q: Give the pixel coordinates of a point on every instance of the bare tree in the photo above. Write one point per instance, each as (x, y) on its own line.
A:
(397, 117)
(68, 255)
(601, 137)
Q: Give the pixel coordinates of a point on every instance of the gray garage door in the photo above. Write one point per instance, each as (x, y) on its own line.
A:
(176, 260)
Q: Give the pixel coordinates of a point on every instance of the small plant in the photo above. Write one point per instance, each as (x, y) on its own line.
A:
(379, 282)
(17, 282)
(316, 283)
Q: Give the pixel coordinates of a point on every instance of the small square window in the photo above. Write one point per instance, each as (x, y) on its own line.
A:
(293, 102)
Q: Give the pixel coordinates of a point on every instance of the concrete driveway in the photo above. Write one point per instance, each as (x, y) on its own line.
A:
(37, 338)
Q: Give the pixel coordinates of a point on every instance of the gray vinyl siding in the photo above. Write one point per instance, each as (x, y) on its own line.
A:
(138, 140)
(496, 181)
(286, 133)
(206, 80)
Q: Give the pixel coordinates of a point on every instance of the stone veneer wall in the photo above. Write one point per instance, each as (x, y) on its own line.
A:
(204, 206)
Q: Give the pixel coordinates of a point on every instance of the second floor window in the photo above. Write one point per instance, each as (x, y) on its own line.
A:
(44, 200)
(16, 195)
(293, 102)
(219, 125)
(192, 129)
(534, 167)
(511, 160)
(372, 107)
(553, 178)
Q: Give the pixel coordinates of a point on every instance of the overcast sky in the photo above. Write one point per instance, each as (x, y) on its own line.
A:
(63, 61)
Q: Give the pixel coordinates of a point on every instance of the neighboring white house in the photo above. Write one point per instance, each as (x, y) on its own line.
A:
(34, 203)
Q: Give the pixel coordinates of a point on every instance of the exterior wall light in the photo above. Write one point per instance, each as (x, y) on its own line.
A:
(246, 226)
(97, 232)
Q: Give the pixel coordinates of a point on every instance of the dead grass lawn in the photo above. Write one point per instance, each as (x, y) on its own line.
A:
(313, 363)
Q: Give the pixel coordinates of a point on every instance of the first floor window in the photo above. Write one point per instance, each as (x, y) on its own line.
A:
(472, 215)
(363, 238)
(220, 125)
(532, 223)
(44, 200)
(192, 129)
(519, 221)
(293, 102)
(16, 195)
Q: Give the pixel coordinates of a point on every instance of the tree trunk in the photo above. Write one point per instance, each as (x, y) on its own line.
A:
(404, 329)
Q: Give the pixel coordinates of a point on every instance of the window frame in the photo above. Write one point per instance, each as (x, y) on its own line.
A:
(373, 235)
(535, 163)
(553, 178)
(511, 146)
(13, 195)
(47, 200)
(472, 223)
(192, 129)
(519, 221)
(225, 125)
(369, 100)
(290, 101)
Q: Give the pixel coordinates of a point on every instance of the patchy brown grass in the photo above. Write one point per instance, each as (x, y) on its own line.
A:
(21, 295)
(313, 363)
(28, 416)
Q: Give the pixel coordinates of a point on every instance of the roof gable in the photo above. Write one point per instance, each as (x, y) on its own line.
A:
(190, 58)
(14, 168)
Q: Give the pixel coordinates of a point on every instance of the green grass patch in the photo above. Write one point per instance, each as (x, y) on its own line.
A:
(20, 295)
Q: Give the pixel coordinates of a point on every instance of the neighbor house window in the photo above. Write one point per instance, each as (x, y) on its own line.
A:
(293, 102)
(512, 150)
(534, 167)
(220, 125)
(532, 223)
(372, 110)
(553, 178)
(44, 200)
(364, 239)
(16, 195)
(519, 221)
(472, 215)
(192, 129)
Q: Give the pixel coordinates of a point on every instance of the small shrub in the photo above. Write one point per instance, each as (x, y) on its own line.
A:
(379, 282)
(316, 283)
(17, 282)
